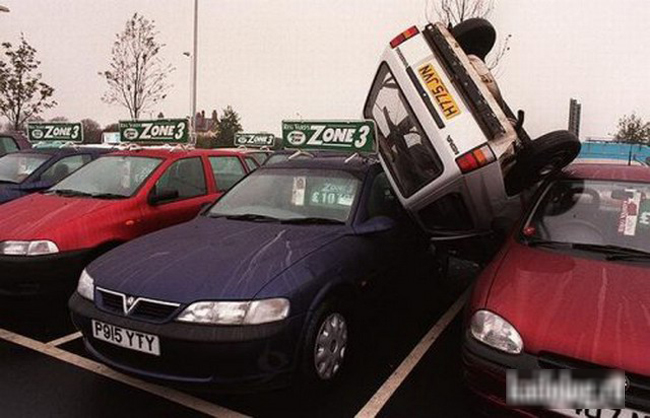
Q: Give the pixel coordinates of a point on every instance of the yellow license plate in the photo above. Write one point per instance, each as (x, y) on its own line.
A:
(438, 90)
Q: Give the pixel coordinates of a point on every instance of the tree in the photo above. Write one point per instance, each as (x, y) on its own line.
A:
(22, 93)
(227, 126)
(633, 129)
(92, 131)
(452, 12)
(137, 75)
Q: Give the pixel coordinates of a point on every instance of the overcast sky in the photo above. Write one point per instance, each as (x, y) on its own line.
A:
(275, 59)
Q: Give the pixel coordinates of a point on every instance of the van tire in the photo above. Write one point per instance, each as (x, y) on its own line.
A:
(476, 36)
(540, 159)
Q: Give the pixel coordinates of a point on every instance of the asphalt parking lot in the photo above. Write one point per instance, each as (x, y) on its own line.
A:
(405, 362)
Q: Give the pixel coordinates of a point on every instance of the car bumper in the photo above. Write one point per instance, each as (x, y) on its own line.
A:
(230, 358)
(25, 276)
(484, 374)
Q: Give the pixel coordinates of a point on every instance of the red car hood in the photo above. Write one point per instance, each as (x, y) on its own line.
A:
(592, 310)
(37, 216)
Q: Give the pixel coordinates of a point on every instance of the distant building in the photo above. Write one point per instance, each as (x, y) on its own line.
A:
(575, 109)
(204, 124)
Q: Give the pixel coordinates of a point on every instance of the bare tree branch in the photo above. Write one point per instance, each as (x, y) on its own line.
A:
(137, 76)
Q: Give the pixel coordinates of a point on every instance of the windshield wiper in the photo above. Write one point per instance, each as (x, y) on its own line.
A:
(68, 192)
(614, 252)
(548, 244)
(251, 217)
(108, 196)
(312, 220)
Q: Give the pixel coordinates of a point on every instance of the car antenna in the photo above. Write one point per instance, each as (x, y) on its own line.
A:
(352, 157)
(300, 152)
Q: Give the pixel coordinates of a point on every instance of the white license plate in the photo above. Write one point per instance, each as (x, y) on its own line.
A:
(133, 340)
(602, 413)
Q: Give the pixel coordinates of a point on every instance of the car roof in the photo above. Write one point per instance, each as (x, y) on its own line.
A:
(247, 150)
(63, 150)
(357, 165)
(168, 153)
(595, 171)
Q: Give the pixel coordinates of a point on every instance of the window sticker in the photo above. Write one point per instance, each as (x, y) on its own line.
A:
(298, 191)
(644, 215)
(629, 214)
(331, 194)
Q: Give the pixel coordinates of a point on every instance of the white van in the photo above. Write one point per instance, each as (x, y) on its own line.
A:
(456, 155)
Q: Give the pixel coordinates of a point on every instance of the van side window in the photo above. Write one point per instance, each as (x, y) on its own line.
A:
(227, 171)
(448, 213)
(406, 150)
(7, 145)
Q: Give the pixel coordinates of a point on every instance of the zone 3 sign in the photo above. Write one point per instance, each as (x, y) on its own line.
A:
(341, 135)
(254, 140)
(51, 131)
(159, 130)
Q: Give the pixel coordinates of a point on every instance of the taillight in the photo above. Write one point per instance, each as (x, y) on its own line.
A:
(474, 159)
(408, 33)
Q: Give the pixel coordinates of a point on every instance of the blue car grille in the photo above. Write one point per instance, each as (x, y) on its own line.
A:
(146, 309)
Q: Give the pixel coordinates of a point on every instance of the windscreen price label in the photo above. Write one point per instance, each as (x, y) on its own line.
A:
(254, 140)
(68, 132)
(331, 135)
(154, 131)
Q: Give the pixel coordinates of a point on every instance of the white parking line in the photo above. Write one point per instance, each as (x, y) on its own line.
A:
(167, 393)
(379, 399)
(66, 339)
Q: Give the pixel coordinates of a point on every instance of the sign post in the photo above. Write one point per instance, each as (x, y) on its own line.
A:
(170, 131)
(55, 132)
(254, 140)
(353, 136)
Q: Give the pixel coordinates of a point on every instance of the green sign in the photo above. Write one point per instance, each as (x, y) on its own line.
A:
(331, 135)
(254, 140)
(55, 131)
(160, 130)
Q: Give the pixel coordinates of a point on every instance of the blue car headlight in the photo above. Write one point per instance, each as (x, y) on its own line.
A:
(86, 286)
(236, 313)
(41, 247)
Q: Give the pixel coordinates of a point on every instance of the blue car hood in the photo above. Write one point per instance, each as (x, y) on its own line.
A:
(209, 259)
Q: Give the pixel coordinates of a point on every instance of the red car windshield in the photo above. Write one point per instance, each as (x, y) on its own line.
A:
(601, 214)
(119, 176)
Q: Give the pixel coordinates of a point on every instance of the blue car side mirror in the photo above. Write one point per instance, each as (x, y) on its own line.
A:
(375, 225)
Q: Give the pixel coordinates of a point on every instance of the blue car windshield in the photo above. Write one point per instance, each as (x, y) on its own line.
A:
(115, 175)
(292, 194)
(15, 168)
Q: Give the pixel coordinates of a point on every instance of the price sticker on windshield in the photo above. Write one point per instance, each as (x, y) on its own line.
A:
(350, 136)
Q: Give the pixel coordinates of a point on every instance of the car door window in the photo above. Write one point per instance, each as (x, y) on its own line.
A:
(227, 171)
(382, 200)
(251, 163)
(406, 150)
(7, 145)
(65, 166)
(185, 176)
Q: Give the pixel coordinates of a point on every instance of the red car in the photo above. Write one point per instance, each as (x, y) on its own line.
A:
(46, 239)
(569, 290)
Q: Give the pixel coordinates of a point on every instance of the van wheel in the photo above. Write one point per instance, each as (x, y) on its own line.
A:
(541, 158)
(476, 36)
(326, 344)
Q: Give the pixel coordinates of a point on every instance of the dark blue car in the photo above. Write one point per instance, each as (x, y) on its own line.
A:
(261, 285)
(36, 169)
